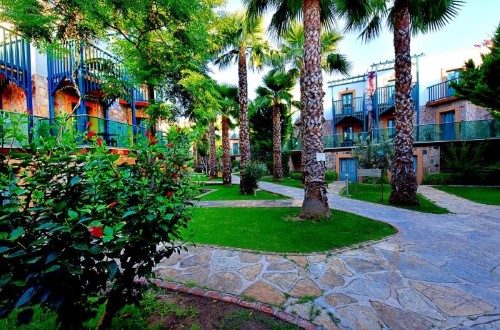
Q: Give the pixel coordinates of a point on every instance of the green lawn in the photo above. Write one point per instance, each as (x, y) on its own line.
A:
(369, 193)
(483, 195)
(286, 182)
(277, 229)
(201, 177)
(232, 193)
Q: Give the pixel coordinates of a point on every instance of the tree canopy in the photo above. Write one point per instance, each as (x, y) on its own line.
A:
(480, 84)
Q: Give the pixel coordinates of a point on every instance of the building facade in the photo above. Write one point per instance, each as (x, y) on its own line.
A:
(362, 107)
(46, 86)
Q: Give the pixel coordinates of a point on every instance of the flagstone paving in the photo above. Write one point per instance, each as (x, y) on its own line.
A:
(439, 271)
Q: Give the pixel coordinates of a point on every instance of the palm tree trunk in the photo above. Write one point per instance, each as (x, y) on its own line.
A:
(213, 152)
(277, 165)
(243, 95)
(403, 181)
(315, 203)
(226, 156)
(244, 128)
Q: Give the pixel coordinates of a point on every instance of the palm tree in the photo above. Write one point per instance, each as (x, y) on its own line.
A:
(404, 17)
(229, 108)
(315, 14)
(276, 89)
(242, 38)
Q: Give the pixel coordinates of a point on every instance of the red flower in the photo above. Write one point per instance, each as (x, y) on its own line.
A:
(28, 112)
(112, 205)
(178, 129)
(211, 177)
(96, 231)
(169, 194)
(170, 145)
(116, 174)
(90, 134)
(99, 141)
(89, 124)
(148, 134)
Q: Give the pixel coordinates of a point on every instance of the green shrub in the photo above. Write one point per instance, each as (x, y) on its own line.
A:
(440, 178)
(76, 228)
(250, 176)
(295, 175)
(331, 176)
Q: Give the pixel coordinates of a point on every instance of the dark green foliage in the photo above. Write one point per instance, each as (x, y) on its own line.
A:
(481, 84)
(463, 157)
(296, 175)
(261, 132)
(285, 158)
(486, 177)
(439, 178)
(331, 176)
(76, 227)
(250, 177)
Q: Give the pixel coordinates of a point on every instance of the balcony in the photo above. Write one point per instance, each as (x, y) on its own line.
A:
(385, 98)
(15, 62)
(441, 92)
(342, 110)
(422, 134)
(115, 134)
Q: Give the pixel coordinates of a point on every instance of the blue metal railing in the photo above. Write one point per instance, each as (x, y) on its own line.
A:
(461, 131)
(441, 91)
(15, 62)
(113, 133)
(385, 98)
(353, 109)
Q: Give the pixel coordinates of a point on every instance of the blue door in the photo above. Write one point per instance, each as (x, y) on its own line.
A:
(348, 166)
(415, 164)
(347, 104)
(448, 125)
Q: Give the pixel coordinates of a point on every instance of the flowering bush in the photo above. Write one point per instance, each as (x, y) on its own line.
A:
(76, 227)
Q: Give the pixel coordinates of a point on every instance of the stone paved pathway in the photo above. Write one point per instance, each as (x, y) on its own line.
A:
(439, 271)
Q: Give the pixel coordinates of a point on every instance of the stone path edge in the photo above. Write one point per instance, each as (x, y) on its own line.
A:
(299, 254)
(232, 299)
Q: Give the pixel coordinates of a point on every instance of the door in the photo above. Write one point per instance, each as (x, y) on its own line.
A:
(348, 166)
(348, 134)
(347, 103)
(391, 128)
(448, 125)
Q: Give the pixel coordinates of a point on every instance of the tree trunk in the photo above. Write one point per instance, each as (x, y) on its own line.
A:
(244, 129)
(277, 165)
(315, 203)
(226, 155)
(213, 152)
(403, 181)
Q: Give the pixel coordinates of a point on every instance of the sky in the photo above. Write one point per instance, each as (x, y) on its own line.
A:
(476, 21)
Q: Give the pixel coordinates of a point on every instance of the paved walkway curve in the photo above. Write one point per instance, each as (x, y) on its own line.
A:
(439, 271)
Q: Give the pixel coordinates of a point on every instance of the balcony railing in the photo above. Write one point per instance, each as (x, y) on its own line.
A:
(461, 131)
(355, 108)
(114, 134)
(385, 98)
(15, 61)
(441, 91)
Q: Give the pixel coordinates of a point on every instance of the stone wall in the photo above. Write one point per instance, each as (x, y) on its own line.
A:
(468, 112)
(13, 98)
(40, 96)
(430, 159)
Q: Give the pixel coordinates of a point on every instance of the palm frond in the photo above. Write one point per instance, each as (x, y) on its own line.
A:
(430, 16)
(337, 63)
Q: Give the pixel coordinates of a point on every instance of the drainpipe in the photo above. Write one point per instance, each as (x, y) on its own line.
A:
(417, 101)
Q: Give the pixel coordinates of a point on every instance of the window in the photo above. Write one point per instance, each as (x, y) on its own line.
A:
(348, 133)
(453, 74)
(391, 127)
(235, 149)
(347, 103)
